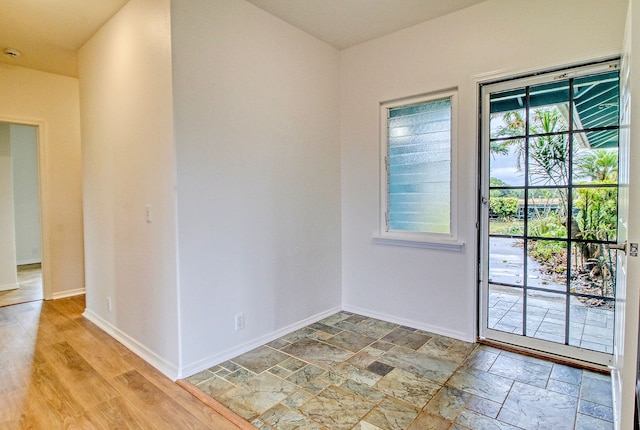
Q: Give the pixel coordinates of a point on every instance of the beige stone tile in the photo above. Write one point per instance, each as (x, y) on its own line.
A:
(363, 390)
(337, 409)
(350, 341)
(374, 328)
(426, 421)
(408, 387)
(363, 425)
(436, 369)
(306, 374)
(214, 386)
(408, 339)
(348, 371)
(365, 357)
(283, 418)
(260, 359)
(318, 353)
(260, 393)
(392, 414)
(200, 377)
(297, 399)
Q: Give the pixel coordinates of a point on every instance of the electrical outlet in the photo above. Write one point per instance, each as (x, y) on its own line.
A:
(239, 321)
(109, 308)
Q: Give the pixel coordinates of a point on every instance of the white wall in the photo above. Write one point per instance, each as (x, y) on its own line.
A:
(26, 197)
(8, 272)
(430, 289)
(51, 103)
(257, 141)
(128, 156)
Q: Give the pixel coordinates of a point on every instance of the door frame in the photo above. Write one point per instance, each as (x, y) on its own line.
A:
(44, 198)
(626, 348)
(563, 352)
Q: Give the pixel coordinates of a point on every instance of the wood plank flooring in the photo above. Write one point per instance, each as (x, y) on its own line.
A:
(59, 371)
(30, 280)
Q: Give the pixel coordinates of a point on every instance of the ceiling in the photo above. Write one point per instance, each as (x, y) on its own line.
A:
(48, 33)
(344, 23)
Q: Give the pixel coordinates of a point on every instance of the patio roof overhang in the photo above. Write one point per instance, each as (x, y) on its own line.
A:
(595, 101)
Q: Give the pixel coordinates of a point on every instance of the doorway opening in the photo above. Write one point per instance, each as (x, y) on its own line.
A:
(549, 211)
(20, 226)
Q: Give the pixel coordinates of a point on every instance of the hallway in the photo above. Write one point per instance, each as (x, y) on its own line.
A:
(30, 280)
(59, 371)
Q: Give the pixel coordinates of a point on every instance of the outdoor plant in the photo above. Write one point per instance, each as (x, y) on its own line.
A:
(593, 217)
(504, 207)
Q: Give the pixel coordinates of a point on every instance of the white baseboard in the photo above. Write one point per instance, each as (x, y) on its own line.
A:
(168, 369)
(213, 360)
(68, 293)
(443, 331)
(8, 287)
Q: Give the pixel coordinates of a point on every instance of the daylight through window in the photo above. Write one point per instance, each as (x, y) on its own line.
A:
(418, 142)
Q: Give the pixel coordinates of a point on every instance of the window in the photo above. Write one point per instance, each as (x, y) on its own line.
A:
(418, 136)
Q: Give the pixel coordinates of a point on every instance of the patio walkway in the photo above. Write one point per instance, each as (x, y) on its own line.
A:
(590, 327)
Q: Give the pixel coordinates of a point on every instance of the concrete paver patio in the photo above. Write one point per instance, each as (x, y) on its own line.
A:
(590, 327)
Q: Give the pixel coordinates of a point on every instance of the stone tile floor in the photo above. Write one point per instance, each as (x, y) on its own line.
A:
(349, 372)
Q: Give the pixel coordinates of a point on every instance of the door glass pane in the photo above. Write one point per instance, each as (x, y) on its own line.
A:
(594, 166)
(593, 272)
(536, 312)
(506, 212)
(595, 213)
(550, 310)
(549, 108)
(548, 161)
(508, 116)
(547, 265)
(596, 99)
(547, 209)
(592, 326)
(506, 166)
(506, 260)
(505, 309)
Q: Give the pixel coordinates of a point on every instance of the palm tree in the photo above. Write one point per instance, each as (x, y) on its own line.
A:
(548, 149)
(599, 165)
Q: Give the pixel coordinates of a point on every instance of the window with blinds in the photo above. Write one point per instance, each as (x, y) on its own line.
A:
(418, 163)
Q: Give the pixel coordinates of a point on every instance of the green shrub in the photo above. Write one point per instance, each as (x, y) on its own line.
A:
(504, 207)
(552, 254)
(548, 226)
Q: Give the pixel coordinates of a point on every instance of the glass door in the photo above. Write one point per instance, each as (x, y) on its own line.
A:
(549, 211)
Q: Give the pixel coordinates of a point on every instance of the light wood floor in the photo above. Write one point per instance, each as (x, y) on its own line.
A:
(59, 371)
(30, 280)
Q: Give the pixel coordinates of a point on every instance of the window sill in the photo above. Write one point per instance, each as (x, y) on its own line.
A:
(440, 245)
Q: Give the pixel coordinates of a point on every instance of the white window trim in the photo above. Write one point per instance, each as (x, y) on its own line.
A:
(438, 241)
